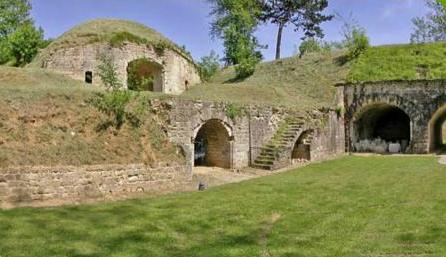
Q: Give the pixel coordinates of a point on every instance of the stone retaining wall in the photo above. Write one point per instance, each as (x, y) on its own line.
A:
(34, 186)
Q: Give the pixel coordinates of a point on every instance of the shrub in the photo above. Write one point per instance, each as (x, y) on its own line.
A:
(208, 66)
(310, 45)
(118, 39)
(25, 43)
(358, 44)
(233, 111)
(107, 71)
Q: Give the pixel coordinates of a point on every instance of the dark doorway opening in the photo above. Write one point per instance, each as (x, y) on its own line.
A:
(89, 77)
(145, 75)
(382, 128)
(212, 145)
(302, 148)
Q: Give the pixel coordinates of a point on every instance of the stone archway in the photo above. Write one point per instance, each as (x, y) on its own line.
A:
(145, 75)
(437, 131)
(381, 128)
(212, 145)
(302, 148)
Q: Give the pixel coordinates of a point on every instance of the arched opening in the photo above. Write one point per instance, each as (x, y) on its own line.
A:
(145, 75)
(302, 148)
(381, 128)
(212, 145)
(89, 77)
(437, 133)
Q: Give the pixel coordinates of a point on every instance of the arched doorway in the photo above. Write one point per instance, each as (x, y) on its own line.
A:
(302, 148)
(437, 131)
(381, 128)
(144, 75)
(212, 146)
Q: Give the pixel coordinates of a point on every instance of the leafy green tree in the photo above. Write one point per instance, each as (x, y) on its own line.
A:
(108, 72)
(209, 66)
(25, 43)
(305, 15)
(432, 27)
(310, 45)
(235, 22)
(13, 14)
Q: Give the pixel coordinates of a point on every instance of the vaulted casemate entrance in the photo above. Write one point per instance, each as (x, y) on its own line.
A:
(437, 131)
(145, 75)
(381, 127)
(212, 146)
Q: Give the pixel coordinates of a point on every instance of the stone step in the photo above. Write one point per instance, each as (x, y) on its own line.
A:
(262, 167)
(263, 162)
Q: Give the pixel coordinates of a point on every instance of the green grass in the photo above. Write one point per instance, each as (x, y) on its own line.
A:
(111, 31)
(356, 206)
(400, 62)
(302, 84)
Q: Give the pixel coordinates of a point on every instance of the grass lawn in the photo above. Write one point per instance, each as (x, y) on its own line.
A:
(356, 206)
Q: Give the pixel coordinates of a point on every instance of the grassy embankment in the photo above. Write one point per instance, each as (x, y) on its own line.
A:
(45, 120)
(356, 206)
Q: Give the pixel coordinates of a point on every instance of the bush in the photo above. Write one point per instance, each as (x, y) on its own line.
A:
(208, 66)
(25, 43)
(246, 67)
(310, 45)
(107, 71)
(358, 44)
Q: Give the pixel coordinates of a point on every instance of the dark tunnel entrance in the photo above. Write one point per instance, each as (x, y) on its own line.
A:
(212, 145)
(382, 128)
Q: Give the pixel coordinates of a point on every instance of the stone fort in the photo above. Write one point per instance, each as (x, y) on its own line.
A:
(405, 117)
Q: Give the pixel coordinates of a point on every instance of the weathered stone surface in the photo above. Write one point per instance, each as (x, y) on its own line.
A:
(420, 100)
(178, 72)
(44, 185)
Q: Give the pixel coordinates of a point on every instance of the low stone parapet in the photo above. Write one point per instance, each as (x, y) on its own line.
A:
(45, 186)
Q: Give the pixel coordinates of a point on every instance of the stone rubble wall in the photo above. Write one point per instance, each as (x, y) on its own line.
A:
(34, 186)
(420, 100)
(179, 72)
(251, 130)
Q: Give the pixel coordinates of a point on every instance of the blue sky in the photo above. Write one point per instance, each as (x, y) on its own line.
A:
(186, 22)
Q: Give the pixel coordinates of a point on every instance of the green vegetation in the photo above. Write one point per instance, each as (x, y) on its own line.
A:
(356, 206)
(400, 62)
(209, 66)
(45, 120)
(358, 44)
(233, 111)
(20, 40)
(235, 22)
(141, 74)
(115, 32)
(432, 27)
(302, 84)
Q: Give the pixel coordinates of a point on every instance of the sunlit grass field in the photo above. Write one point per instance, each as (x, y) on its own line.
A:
(355, 206)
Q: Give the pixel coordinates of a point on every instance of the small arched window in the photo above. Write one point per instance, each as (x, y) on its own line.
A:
(89, 77)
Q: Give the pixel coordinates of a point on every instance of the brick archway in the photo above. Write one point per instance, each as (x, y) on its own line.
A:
(437, 130)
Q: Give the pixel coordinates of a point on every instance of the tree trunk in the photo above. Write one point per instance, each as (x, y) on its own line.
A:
(279, 40)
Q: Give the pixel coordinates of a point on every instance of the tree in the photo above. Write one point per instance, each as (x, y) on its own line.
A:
(235, 22)
(305, 15)
(432, 27)
(25, 43)
(209, 65)
(13, 14)
(108, 73)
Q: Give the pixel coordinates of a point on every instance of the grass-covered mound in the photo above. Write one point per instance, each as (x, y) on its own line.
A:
(302, 84)
(400, 62)
(45, 120)
(115, 32)
(375, 206)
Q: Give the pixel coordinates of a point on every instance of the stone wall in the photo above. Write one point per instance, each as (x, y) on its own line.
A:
(249, 131)
(178, 74)
(420, 100)
(34, 186)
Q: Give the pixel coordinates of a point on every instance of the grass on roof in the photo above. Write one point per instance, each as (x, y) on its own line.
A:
(303, 84)
(112, 31)
(400, 62)
(355, 206)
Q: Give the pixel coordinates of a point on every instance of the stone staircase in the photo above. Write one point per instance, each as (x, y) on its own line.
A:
(271, 155)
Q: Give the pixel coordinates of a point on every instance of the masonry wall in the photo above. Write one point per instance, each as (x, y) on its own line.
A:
(34, 186)
(420, 100)
(178, 74)
(252, 130)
